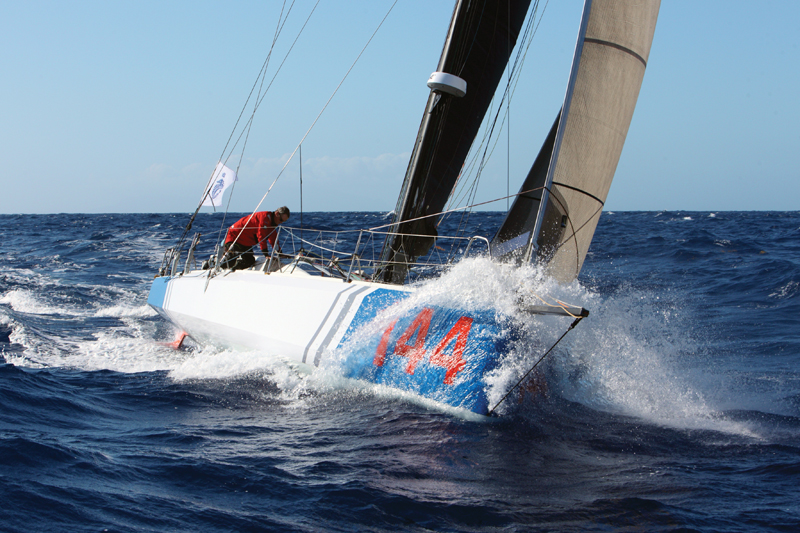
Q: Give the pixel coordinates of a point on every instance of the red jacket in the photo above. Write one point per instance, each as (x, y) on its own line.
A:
(259, 230)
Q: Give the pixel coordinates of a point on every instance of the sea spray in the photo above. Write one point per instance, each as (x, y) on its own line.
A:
(635, 356)
(487, 292)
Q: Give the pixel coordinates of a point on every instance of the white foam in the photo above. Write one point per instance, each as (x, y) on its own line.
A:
(26, 301)
(634, 358)
(211, 363)
(786, 291)
(49, 296)
(121, 311)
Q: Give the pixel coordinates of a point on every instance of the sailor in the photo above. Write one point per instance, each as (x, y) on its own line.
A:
(259, 228)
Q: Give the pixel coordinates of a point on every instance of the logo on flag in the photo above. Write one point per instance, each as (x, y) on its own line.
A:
(219, 186)
(220, 180)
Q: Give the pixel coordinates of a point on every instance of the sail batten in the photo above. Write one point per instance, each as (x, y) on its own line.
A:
(618, 47)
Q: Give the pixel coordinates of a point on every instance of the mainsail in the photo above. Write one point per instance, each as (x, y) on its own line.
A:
(479, 42)
(570, 178)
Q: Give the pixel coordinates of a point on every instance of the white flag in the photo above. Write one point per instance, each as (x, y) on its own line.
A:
(220, 180)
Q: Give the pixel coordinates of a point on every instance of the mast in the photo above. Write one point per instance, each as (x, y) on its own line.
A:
(583, 148)
(475, 53)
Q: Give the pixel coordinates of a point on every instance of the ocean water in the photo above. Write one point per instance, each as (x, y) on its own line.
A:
(675, 406)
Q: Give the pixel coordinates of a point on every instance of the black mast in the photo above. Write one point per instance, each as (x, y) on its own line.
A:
(478, 45)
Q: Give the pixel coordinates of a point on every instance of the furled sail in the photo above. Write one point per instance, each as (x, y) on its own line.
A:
(583, 148)
(479, 42)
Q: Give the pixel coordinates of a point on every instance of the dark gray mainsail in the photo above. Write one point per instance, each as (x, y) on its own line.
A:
(479, 42)
(569, 182)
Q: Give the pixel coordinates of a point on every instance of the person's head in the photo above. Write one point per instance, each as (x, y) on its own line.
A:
(282, 214)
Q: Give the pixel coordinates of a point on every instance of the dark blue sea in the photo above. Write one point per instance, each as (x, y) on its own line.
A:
(675, 406)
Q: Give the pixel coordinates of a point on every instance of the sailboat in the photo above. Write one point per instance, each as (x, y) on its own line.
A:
(358, 298)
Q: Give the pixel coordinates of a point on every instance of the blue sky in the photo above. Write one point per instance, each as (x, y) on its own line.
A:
(126, 107)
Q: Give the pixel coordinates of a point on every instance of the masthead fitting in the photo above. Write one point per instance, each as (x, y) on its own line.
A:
(448, 84)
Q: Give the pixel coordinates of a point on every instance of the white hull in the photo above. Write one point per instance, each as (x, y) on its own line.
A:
(293, 315)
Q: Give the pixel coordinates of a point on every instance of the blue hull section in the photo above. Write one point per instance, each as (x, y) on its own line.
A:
(439, 353)
(158, 292)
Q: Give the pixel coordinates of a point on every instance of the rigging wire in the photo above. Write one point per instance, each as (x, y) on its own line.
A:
(514, 72)
(259, 96)
(301, 191)
(520, 60)
(457, 209)
(326, 105)
(314, 123)
(508, 129)
(260, 100)
(472, 44)
(570, 328)
(469, 188)
(261, 75)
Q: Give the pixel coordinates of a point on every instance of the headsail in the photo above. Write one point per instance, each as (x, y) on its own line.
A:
(479, 42)
(583, 149)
